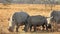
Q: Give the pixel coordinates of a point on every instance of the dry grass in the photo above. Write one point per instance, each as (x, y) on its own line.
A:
(31, 9)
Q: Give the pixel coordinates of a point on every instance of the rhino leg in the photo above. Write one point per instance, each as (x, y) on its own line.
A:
(34, 28)
(43, 27)
(17, 28)
(30, 28)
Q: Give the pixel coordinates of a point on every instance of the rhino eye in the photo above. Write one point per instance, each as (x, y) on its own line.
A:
(13, 19)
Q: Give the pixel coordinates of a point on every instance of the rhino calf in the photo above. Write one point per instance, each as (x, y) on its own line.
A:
(35, 21)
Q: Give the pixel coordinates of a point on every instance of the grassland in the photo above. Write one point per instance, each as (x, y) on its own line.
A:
(31, 9)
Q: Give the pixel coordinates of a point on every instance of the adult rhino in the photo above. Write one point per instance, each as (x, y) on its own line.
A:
(18, 19)
(35, 21)
(56, 19)
(56, 16)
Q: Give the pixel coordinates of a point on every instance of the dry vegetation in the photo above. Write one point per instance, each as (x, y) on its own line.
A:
(31, 9)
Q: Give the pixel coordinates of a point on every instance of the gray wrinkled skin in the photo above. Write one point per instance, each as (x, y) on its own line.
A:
(37, 20)
(56, 16)
(18, 19)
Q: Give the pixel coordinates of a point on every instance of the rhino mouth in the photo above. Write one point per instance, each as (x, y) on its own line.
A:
(10, 29)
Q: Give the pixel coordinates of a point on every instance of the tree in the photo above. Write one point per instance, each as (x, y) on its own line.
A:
(8, 2)
(51, 3)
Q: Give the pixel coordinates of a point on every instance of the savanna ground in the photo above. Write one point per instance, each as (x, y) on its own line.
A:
(31, 9)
